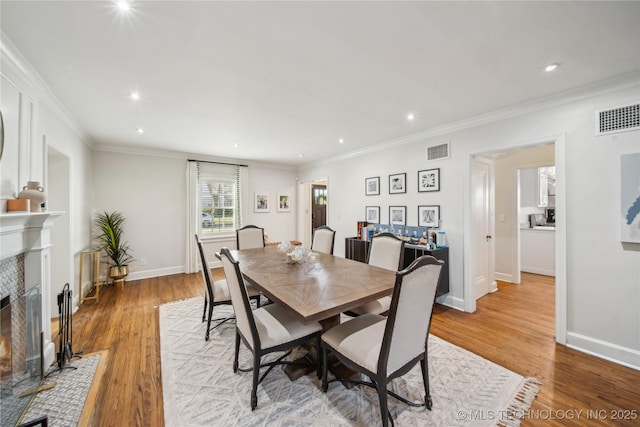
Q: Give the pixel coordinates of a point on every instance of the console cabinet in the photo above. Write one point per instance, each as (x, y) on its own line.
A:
(358, 250)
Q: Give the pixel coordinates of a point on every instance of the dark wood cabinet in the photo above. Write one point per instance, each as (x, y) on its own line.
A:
(358, 250)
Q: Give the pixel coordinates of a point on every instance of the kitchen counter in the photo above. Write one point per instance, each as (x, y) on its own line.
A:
(537, 250)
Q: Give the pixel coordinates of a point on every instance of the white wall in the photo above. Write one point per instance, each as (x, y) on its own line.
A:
(603, 295)
(151, 192)
(52, 124)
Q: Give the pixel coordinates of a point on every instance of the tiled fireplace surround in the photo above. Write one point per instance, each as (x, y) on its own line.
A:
(25, 242)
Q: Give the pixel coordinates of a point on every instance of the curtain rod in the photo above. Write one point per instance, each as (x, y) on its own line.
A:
(217, 163)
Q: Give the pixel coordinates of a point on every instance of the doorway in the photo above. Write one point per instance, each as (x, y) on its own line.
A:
(313, 208)
(506, 225)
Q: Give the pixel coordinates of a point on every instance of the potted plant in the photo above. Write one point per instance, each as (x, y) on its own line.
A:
(109, 225)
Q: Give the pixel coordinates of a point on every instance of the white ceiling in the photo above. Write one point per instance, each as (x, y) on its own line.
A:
(281, 79)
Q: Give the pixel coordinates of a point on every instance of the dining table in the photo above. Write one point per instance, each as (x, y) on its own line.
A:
(314, 291)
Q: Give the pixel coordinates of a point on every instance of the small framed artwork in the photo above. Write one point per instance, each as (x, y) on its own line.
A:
(372, 186)
(429, 180)
(398, 183)
(284, 202)
(397, 215)
(429, 216)
(372, 214)
(261, 202)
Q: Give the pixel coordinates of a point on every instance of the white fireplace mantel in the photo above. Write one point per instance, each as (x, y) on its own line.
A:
(29, 234)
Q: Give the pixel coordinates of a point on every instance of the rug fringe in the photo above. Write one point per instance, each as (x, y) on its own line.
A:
(520, 403)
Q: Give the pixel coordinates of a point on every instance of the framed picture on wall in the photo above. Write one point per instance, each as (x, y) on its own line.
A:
(372, 186)
(261, 202)
(397, 215)
(284, 202)
(429, 180)
(398, 183)
(429, 216)
(372, 214)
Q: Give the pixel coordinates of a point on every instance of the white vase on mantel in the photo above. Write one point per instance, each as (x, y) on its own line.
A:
(35, 193)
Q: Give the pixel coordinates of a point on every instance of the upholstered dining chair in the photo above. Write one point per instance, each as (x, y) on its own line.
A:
(265, 330)
(386, 251)
(217, 293)
(249, 237)
(323, 240)
(384, 348)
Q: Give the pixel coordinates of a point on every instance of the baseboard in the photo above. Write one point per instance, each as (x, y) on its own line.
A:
(451, 301)
(504, 277)
(147, 274)
(540, 271)
(605, 350)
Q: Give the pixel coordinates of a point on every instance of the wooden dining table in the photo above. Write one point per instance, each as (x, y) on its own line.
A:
(318, 291)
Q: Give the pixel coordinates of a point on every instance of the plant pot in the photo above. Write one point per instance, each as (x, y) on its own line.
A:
(118, 273)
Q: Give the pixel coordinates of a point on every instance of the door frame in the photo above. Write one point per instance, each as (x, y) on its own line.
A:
(561, 229)
(304, 209)
(490, 206)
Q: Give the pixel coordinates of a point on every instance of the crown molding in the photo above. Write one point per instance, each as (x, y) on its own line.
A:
(589, 91)
(13, 61)
(155, 152)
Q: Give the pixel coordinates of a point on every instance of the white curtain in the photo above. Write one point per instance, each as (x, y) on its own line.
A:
(193, 211)
(243, 197)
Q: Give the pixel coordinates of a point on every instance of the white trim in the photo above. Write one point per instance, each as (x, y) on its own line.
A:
(541, 271)
(504, 277)
(605, 350)
(147, 274)
(451, 301)
(561, 233)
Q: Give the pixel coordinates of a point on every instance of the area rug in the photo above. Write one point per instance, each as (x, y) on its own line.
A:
(64, 403)
(200, 388)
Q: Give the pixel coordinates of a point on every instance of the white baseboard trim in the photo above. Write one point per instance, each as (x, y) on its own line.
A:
(605, 350)
(147, 274)
(541, 271)
(504, 277)
(450, 301)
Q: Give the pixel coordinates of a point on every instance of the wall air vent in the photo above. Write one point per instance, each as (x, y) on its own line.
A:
(616, 120)
(438, 152)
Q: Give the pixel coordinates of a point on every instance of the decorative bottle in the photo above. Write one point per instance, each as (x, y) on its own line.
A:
(35, 193)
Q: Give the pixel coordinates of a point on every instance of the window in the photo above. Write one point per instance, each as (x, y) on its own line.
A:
(219, 198)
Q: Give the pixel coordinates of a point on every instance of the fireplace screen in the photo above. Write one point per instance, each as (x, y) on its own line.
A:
(20, 354)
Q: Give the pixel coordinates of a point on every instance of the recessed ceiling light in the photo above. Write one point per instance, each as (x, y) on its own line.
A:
(341, 141)
(300, 155)
(236, 145)
(123, 5)
(140, 130)
(550, 67)
(134, 95)
(411, 117)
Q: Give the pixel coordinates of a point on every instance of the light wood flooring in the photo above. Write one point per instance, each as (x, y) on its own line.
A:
(513, 327)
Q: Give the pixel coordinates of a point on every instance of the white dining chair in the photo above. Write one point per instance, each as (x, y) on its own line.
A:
(249, 237)
(268, 329)
(386, 251)
(217, 293)
(323, 240)
(384, 348)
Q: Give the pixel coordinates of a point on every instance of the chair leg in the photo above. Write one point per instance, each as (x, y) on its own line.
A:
(237, 350)
(204, 312)
(318, 357)
(325, 368)
(209, 316)
(425, 379)
(254, 388)
(382, 396)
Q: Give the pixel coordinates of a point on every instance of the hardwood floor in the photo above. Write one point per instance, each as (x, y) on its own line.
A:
(513, 327)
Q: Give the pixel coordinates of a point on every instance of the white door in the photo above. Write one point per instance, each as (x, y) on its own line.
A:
(481, 226)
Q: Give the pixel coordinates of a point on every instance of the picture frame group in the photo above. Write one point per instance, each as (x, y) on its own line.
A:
(428, 180)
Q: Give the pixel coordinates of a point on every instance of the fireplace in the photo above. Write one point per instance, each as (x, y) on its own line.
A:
(5, 338)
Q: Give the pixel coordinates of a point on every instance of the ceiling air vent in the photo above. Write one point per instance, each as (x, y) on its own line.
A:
(620, 119)
(438, 152)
